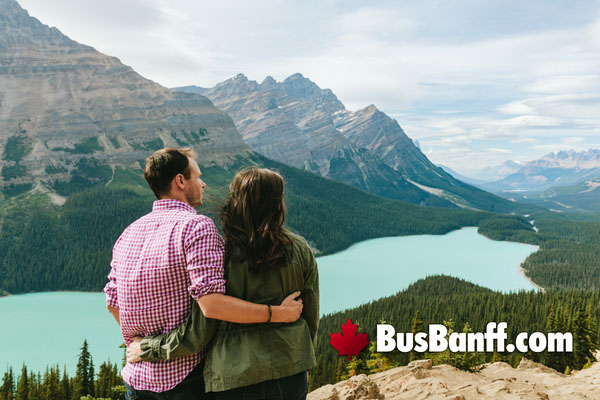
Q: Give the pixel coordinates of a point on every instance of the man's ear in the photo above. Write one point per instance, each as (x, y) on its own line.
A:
(179, 181)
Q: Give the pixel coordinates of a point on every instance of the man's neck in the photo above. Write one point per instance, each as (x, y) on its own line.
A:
(174, 197)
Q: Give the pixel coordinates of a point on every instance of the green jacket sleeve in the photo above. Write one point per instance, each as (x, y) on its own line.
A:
(188, 338)
(310, 294)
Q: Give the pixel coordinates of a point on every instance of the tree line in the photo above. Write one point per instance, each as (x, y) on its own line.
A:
(45, 247)
(106, 384)
(464, 306)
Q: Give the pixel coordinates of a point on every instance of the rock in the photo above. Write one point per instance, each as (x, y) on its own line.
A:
(425, 364)
(418, 380)
(528, 364)
(358, 387)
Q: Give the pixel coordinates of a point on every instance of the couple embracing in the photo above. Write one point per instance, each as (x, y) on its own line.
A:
(207, 318)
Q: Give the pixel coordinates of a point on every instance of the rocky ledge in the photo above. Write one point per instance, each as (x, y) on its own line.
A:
(499, 381)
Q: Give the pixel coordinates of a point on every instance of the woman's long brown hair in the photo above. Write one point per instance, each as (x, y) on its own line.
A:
(253, 217)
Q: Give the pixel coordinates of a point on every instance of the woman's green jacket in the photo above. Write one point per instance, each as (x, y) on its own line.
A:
(245, 354)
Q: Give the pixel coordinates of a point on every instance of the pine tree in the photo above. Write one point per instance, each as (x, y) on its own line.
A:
(356, 366)
(553, 359)
(65, 386)
(108, 378)
(50, 386)
(81, 382)
(592, 327)
(380, 361)
(7, 391)
(495, 356)
(582, 346)
(339, 371)
(23, 385)
(417, 326)
(316, 378)
(91, 377)
(34, 386)
(468, 361)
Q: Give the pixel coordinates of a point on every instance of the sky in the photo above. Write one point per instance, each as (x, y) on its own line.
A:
(475, 82)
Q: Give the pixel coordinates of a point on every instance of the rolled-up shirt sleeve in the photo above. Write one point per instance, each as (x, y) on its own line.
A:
(204, 249)
(110, 290)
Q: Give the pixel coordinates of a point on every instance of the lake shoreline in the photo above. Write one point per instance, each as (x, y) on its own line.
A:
(523, 271)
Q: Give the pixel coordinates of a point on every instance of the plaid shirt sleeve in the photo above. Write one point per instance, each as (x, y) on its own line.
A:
(110, 290)
(204, 249)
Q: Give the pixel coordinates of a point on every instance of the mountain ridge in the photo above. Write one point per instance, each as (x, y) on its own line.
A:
(548, 175)
(296, 122)
(62, 102)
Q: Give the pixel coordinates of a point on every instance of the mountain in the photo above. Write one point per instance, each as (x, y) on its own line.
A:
(460, 177)
(583, 196)
(563, 168)
(497, 172)
(300, 124)
(75, 127)
(570, 159)
(68, 111)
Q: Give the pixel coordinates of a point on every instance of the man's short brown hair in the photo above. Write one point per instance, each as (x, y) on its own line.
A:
(164, 165)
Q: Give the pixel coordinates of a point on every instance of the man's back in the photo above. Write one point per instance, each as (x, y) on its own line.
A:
(158, 262)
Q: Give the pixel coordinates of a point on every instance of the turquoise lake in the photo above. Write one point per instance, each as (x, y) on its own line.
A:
(49, 328)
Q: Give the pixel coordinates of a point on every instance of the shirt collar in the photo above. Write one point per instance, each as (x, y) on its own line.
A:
(172, 204)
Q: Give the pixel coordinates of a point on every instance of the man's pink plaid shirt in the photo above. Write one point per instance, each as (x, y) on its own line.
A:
(158, 262)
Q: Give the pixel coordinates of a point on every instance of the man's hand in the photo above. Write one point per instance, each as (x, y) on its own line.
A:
(134, 350)
(289, 310)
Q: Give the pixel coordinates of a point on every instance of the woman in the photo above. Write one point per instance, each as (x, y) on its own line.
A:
(263, 263)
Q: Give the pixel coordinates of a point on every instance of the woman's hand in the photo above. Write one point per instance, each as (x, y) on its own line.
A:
(134, 350)
(289, 310)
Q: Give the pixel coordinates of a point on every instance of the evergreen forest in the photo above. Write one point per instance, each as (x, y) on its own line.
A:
(464, 307)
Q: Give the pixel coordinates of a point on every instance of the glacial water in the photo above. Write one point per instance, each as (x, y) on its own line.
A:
(381, 267)
(49, 328)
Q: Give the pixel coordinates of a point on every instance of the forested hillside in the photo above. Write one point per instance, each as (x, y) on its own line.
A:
(442, 298)
(569, 249)
(49, 247)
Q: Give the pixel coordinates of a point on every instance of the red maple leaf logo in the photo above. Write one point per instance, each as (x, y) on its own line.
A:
(349, 342)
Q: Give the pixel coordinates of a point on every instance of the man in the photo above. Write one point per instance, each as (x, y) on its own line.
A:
(161, 260)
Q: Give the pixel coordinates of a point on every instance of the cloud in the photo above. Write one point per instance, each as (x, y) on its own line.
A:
(498, 150)
(524, 140)
(516, 107)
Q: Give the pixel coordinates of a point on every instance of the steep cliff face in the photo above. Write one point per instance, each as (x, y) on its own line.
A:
(61, 101)
(300, 124)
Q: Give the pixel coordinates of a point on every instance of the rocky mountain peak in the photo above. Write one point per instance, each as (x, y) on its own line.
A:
(19, 29)
(237, 86)
(298, 86)
(570, 159)
(65, 107)
(268, 83)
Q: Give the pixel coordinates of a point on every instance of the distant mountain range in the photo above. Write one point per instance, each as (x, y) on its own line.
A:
(565, 180)
(496, 172)
(300, 124)
(461, 177)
